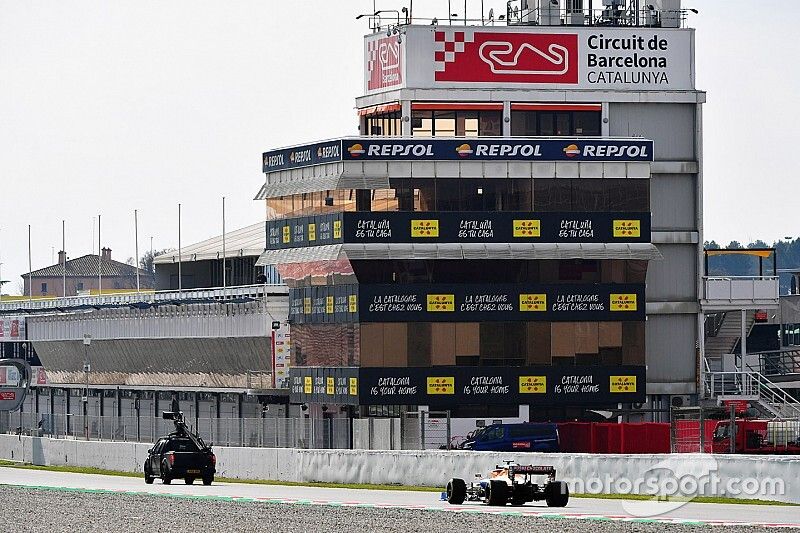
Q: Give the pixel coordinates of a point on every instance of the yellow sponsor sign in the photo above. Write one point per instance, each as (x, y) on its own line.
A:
(627, 228)
(623, 384)
(424, 228)
(353, 386)
(441, 385)
(352, 303)
(307, 306)
(533, 384)
(287, 235)
(527, 228)
(623, 302)
(308, 385)
(441, 303)
(330, 386)
(329, 305)
(533, 302)
(337, 229)
(312, 232)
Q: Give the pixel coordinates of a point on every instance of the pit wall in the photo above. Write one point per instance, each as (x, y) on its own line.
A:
(775, 477)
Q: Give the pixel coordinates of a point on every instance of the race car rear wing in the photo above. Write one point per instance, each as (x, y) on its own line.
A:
(532, 470)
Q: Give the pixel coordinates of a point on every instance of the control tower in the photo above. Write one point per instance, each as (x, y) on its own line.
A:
(518, 229)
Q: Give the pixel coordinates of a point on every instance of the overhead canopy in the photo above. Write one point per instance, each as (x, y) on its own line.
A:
(248, 241)
(756, 252)
(639, 251)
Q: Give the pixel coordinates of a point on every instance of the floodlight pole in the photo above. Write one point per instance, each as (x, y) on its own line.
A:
(87, 341)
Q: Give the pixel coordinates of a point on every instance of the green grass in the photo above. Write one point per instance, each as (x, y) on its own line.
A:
(326, 485)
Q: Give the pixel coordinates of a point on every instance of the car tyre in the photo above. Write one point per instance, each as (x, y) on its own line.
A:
(188, 480)
(456, 491)
(166, 479)
(208, 480)
(498, 492)
(556, 494)
(147, 477)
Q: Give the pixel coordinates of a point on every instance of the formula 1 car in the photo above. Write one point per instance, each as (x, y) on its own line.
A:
(512, 483)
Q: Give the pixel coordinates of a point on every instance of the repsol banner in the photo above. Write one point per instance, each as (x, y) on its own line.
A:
(467, 303)
(457, 227)
(335, 385)
(463, 385)
(467, 149)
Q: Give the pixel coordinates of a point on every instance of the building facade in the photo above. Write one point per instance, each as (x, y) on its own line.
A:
(517, 230)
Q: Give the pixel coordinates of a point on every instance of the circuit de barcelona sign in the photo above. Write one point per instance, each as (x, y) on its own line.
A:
(467, 149)
(463, 385)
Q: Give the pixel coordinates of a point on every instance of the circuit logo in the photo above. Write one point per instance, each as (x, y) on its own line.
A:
(464, 150)
(572, 150)
(356, 150)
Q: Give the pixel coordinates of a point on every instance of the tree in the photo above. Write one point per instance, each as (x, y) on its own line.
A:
(711, 245)
(146, 261)
(735, 245)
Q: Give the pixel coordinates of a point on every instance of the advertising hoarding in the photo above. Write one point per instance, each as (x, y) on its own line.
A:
(503, 302)
(540, 56)
(12, 328)
(458, 226)
(463, 385)
(467, 149)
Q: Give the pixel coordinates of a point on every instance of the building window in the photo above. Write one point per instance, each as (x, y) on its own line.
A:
(44, 288)
(383, 125)
(456, 123)
(555, 123)
(79, 286)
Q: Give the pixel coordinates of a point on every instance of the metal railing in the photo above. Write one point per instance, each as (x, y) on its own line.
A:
(627, 16)
(779, 362)
(732, 288)
(130, 298)
(258, 379)
(713, 322)
(752, 384)
(271, 432)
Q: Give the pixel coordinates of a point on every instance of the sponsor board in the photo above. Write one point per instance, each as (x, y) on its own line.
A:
(12, 328)
(488, 302)
(281, 356)
(475, 149)
(570, 57)
(447, 386)
(383, 67)
(497, 385)
(460, 227)
(332, 385)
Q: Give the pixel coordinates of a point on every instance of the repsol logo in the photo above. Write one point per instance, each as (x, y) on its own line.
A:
(274, 160)
(628, 151)
(508, 150)
(400, 150)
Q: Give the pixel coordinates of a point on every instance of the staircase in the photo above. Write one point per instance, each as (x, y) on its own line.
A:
(727, 336)
(762, 393)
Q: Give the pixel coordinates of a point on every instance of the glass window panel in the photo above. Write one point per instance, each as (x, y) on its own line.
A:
(491, 123)
(586, 122)
(546, 124)
(444, 123)
(447, 195)
(588, 195)
(422, 124)
(562, 122)
(552, 195)
(424, 194)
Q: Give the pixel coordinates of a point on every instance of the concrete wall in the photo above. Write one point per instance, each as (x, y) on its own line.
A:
(431, 468)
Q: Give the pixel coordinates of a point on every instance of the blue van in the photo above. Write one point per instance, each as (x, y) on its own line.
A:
(513, 438)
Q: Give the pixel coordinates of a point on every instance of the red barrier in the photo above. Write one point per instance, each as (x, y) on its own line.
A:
(608, 437)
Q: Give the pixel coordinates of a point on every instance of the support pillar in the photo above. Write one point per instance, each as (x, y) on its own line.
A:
(743, 344)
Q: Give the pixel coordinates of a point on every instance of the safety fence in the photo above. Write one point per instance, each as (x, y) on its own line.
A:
(412, 431)
(251, 432)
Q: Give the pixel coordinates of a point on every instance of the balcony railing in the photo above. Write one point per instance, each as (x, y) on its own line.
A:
(734, 291)
(215, 294)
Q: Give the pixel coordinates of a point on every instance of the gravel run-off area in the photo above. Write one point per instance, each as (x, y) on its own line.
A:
(55, 511)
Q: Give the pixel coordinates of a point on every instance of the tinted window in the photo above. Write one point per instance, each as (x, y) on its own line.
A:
(529, 431)
(181, 445)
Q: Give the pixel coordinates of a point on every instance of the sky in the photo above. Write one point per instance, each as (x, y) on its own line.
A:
(107, 107)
